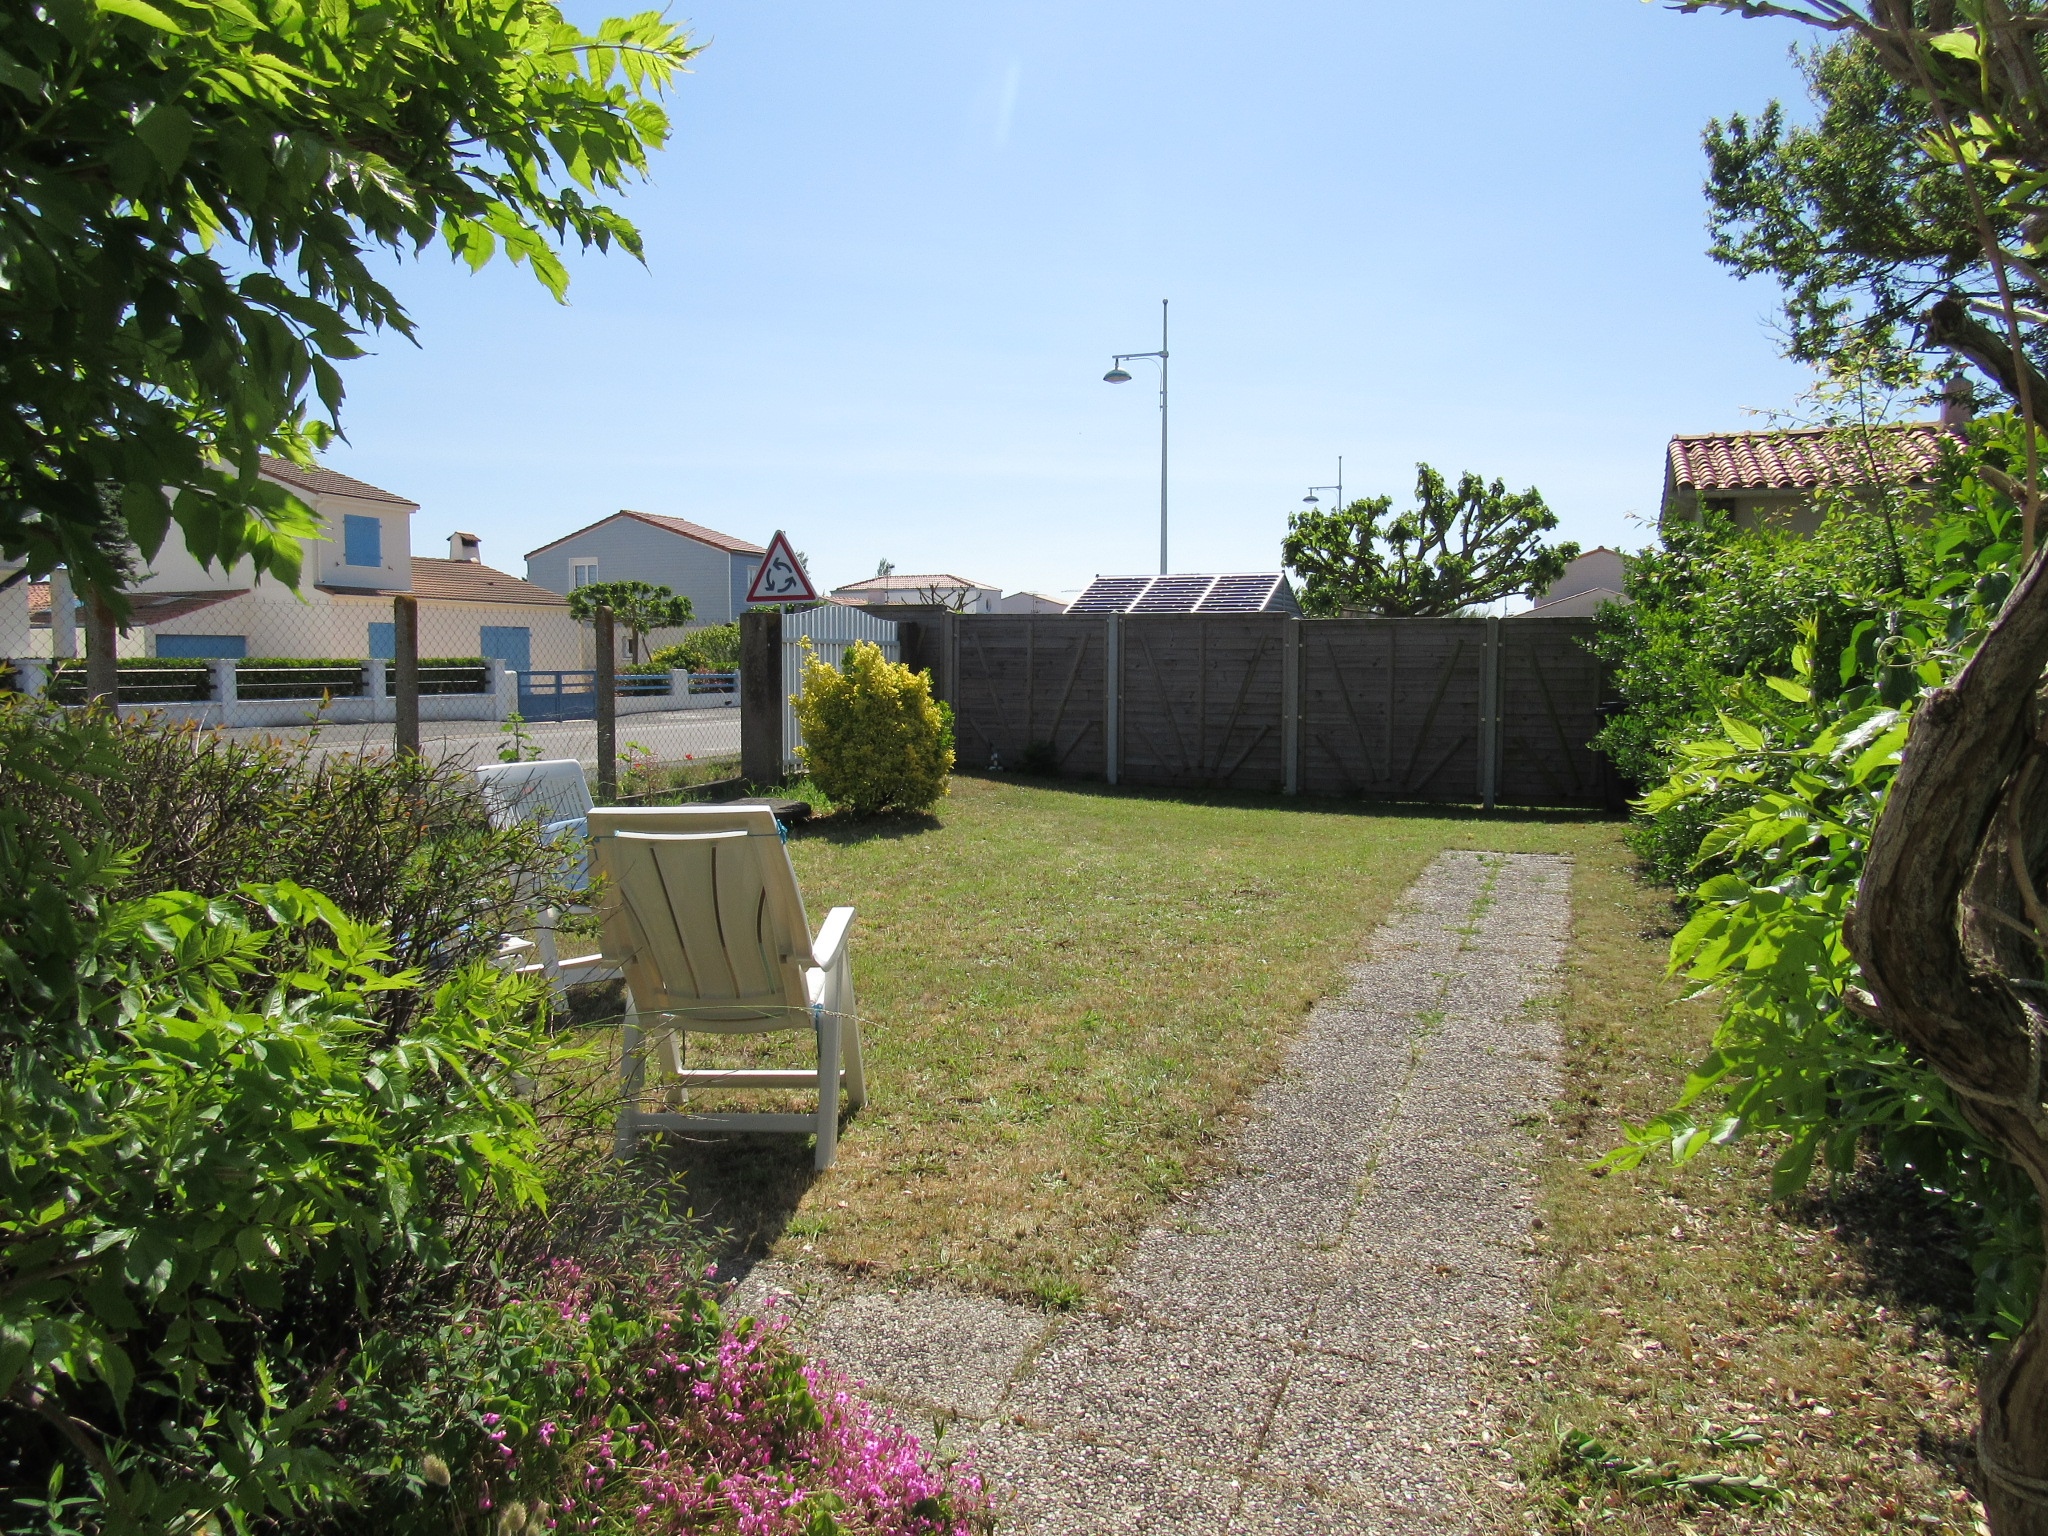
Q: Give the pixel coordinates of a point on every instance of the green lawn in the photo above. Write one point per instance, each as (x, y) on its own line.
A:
(1064, 989)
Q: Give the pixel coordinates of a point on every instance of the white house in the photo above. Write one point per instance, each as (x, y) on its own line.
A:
(343, 605)
(1030, 602)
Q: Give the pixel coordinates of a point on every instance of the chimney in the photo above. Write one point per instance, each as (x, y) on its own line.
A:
(466, 546)
(1958, 404)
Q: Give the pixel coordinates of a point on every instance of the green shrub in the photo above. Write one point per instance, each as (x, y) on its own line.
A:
(218, 1160)
(714, 648)
(874, 738)
(1783, 788)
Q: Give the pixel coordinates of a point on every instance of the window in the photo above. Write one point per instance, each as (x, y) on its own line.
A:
(362, 540)
(509, 643)
(384, 641)
(582, 573)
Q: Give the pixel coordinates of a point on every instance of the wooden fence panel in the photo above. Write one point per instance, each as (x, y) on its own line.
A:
(1201, 701)
(1387, 708)
(1550, 710)
(1390, 707)
(1020, 680)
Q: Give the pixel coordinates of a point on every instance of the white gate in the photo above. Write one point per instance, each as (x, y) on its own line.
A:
(830, 629)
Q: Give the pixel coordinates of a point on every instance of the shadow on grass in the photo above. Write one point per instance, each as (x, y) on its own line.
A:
(743, 1191)
(1321, 805)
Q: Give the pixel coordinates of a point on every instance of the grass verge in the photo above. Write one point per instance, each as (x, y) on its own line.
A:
(1064, 990)
(1691, 1324)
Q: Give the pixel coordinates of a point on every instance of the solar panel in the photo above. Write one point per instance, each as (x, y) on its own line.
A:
(1110, 594)
(1241, 594)
(1173, 594)
(1245, 592)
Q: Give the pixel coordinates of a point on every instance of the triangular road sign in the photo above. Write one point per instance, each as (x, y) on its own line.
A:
(780, 578)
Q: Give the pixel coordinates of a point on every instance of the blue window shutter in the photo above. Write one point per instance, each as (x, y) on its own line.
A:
(362, 540)
(509, 643)
(384, 641)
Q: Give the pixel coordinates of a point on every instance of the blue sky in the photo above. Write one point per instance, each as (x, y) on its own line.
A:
(892, 246)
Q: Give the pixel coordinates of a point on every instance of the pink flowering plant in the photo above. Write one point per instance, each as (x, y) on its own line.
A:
(628, 1401)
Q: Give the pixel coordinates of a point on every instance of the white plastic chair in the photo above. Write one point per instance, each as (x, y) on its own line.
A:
(555, 795)
(701, 910)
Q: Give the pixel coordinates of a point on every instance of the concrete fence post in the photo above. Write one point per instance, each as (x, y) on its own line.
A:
(31, 675)
(102, 655)
(221, 682)
(679, 688)
(1112, 697)
(377, 687)
(1290, 707)
(761, 745)
(1489, 714)
(607, 707)
(405, 666)
(501, 683)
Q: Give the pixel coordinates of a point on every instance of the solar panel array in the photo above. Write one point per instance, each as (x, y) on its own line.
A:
(1251, 592)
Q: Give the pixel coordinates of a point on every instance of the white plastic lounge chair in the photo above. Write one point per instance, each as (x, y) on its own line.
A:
(701, 909)
(555, 795)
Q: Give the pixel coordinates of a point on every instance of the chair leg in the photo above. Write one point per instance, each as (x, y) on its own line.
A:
(850, 1043)
(544, 922)
(633, 1072)
(828, 1088)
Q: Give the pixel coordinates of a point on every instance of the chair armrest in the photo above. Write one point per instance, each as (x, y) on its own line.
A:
(830, 944)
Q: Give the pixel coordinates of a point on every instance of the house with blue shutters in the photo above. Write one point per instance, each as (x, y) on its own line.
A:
(343, 605)
(712, 569)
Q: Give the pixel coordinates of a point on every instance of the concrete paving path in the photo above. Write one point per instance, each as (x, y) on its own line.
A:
(1302, 1346)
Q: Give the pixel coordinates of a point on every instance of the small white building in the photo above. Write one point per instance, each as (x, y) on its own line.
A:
(1030, 602)
(941, 590)
(1593, 579)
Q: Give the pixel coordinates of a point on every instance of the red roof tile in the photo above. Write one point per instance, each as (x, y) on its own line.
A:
(471, 581)
(1794, 459)
(684, 526)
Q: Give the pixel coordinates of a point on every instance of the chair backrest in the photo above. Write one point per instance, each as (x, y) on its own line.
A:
(545, 792)
(707, 925)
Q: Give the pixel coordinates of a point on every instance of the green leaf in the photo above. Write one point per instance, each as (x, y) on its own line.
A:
(142, 11)
(1798, 693)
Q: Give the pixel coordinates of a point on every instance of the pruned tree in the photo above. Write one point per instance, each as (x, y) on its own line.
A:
(640, 607)
(1950, 926)
(195, 196)
(1455, 549)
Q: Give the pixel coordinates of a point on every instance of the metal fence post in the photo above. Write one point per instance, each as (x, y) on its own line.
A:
(405, 672)
(102, 662)
(761, 696)
(607, 707)
(1112, 702)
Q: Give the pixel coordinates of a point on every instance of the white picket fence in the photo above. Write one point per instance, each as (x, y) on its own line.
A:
(830, 629)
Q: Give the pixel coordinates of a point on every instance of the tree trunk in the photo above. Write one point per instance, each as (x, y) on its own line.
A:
(1951, 933)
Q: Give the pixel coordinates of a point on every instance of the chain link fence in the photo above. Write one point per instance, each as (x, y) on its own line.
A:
(390, 674)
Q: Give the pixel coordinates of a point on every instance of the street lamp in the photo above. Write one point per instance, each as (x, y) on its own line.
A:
(1310, 499)
(1118, 374)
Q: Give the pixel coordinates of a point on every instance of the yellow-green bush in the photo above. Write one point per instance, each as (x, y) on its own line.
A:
(874, 738)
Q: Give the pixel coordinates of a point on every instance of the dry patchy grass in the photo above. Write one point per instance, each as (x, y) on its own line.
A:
(1065, 990)
(1683, 1297)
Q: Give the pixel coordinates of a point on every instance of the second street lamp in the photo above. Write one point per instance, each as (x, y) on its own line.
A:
(1118, 374)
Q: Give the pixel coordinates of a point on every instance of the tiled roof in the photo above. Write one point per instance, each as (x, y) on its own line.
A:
(682, 525)
(148, 607)
(471, 581)
(328, 482)
(466, 581)
(1794, 459)
(894, 583)
(39, 597)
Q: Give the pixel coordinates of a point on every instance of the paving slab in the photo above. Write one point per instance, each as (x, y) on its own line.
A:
(1290, 1349)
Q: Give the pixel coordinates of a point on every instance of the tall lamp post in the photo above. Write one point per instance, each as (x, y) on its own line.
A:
(1310, 499)
(1118, 375)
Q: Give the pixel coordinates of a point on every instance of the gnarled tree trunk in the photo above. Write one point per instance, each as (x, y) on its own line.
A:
(1951, 932)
